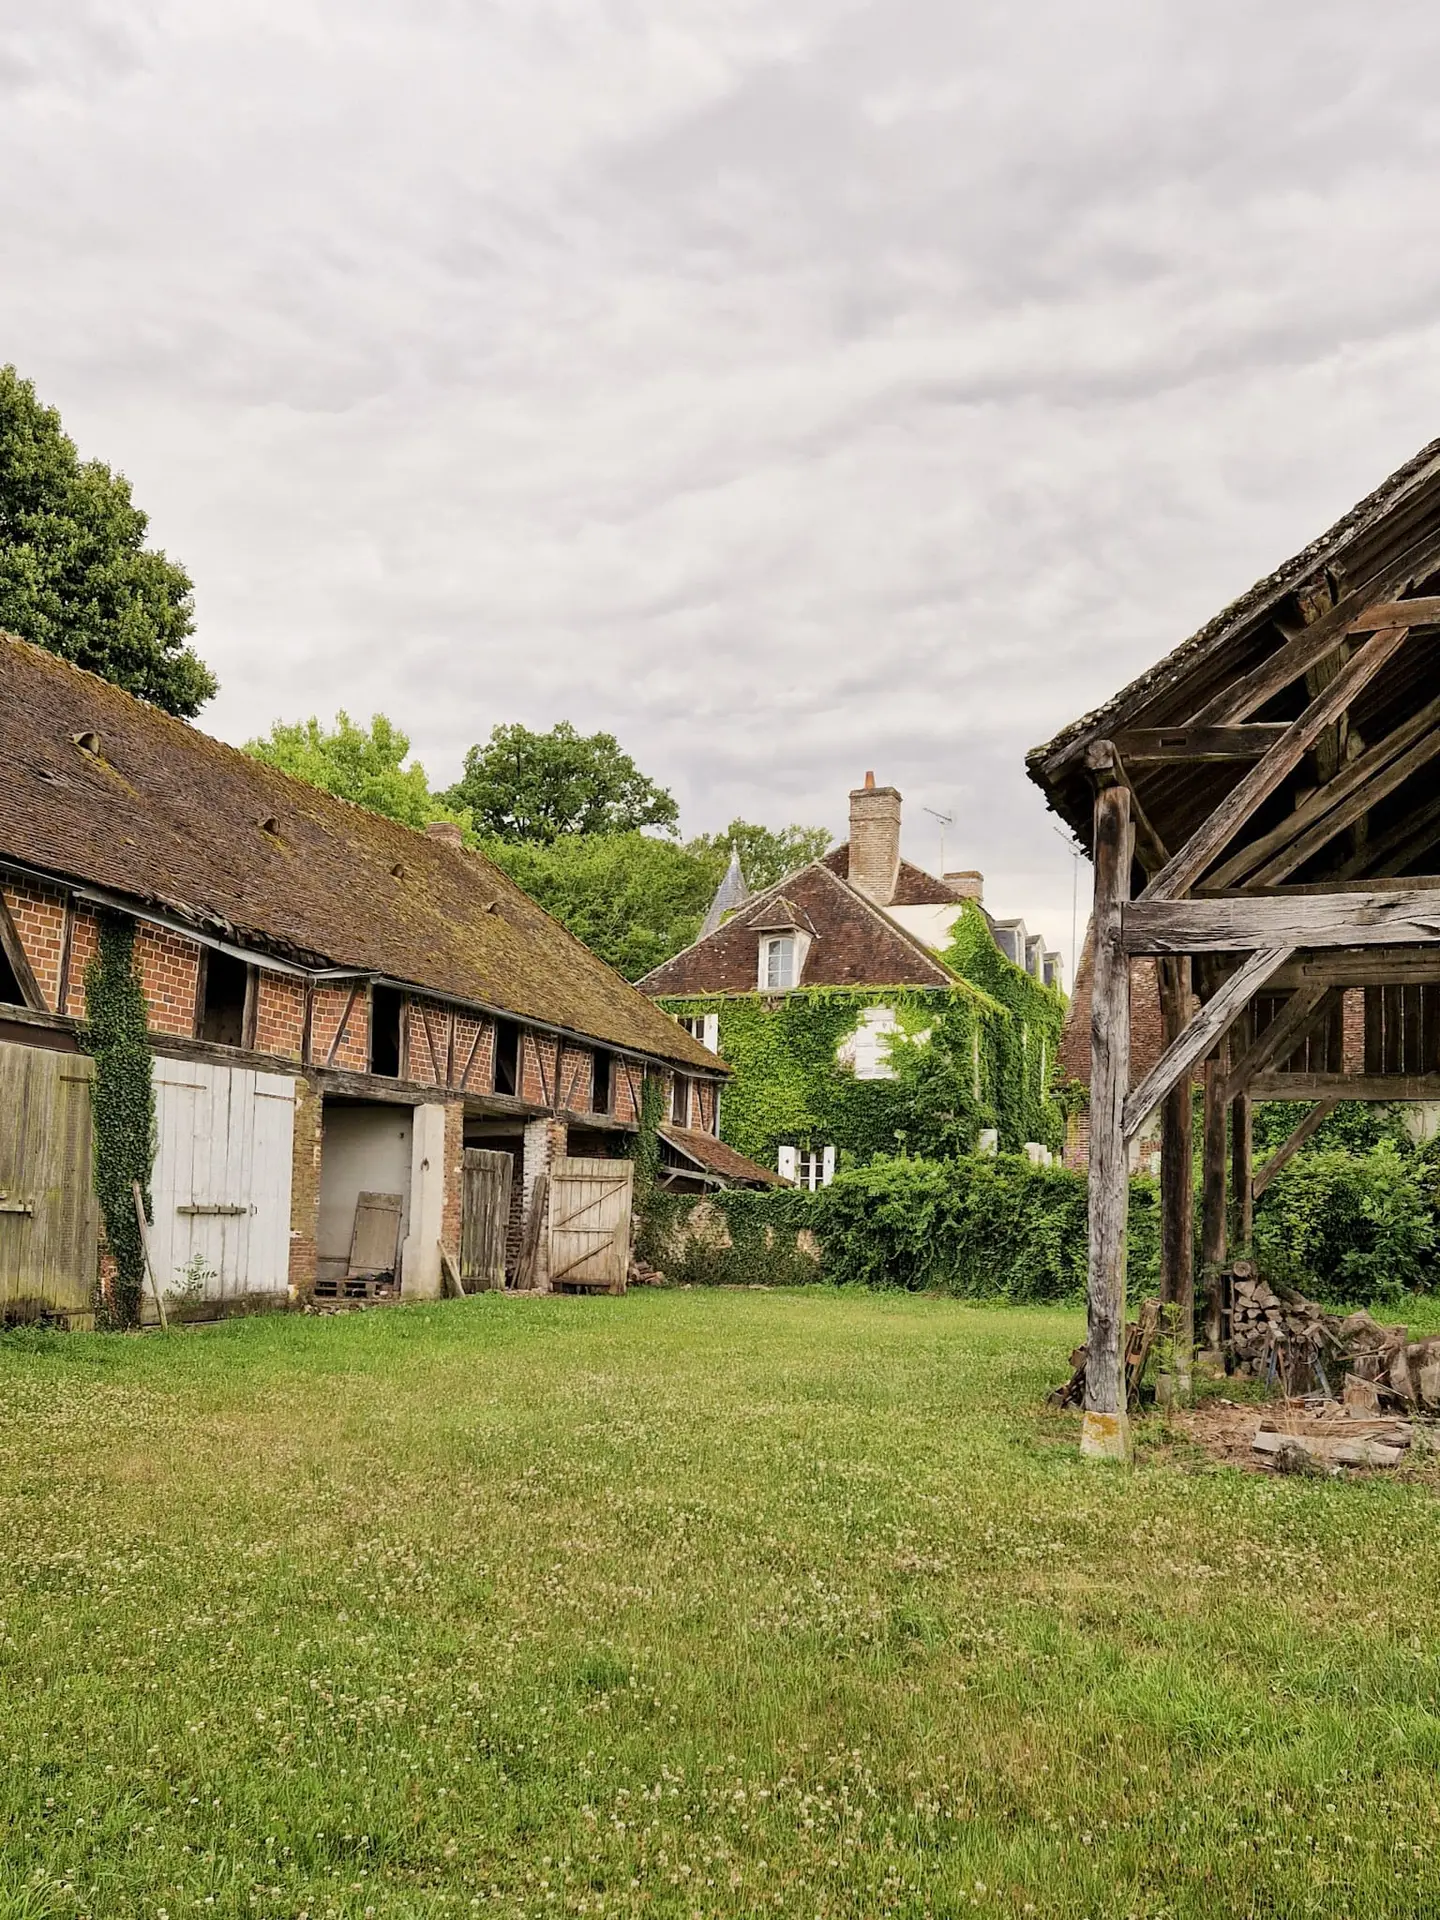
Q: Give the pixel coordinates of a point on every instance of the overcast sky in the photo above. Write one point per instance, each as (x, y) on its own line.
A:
(791, 389)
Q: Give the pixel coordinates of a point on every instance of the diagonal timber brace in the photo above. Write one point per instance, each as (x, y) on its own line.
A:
(1208, 1027)
(1308, 1008)
(1214, 833)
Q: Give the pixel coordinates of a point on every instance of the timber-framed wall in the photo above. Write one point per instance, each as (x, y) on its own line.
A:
(1263, 812)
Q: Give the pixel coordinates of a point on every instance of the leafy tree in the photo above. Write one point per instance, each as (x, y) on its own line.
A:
(357, 763)
(632, 899)
(765, 855)
(75, 574)
(523, 785)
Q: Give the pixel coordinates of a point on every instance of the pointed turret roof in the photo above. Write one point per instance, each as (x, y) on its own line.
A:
(731, 893)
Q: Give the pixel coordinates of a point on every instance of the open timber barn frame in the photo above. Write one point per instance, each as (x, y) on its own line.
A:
(1263, 813)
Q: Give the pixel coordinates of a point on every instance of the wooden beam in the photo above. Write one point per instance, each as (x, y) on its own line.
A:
(1105, 1430)
(1291, 1145)
(1379, 780)
(1307, 1007)
(1394, 850)
(1393, 613)
(1177, 1183)
(1370, 967)
(1378, 1087)
(1236, 701)
(1392, 917)
(14, 951)
(1105, 763)
(1212, 1206)
(1242, 1169)
(1214, 834)
(1138, 745)
(1205, 1031)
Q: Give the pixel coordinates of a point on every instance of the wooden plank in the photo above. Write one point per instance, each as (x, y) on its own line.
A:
(1214, 834)
(13, 948)
(375, 1237)
(1370, 966)
(486, 1179)
(1212, 1207)
(1345, 1086)
(1177, 1185)
(1290, 1146)
(1104, 1433)
(590, 1208)
(1242, 1168)
(144, 1227)
(1392, 916)
(1137, 746)
(1200, 1036)
(1109, 770)
(528, 1273)
(1419, 612)
(1307, 1007)
(1398, 847)
(450, 1273)
(1350, 792)
(344, 1023)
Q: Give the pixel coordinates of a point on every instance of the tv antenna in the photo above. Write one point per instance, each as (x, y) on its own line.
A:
(946, 820)
(1077, 855)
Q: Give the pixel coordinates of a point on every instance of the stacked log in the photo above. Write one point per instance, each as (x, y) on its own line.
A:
(1277, 1335)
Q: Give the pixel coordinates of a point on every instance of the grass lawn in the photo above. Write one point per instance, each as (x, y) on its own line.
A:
(687, 1603)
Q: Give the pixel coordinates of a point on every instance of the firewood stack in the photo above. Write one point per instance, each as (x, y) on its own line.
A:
(1277, 1335)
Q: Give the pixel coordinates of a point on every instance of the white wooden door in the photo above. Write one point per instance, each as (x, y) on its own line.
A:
(221, 1184)
(590, 1223)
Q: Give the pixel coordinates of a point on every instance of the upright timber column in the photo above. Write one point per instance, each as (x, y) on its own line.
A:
(1177, 1189)
(1212, 1213)
(1105, 1432)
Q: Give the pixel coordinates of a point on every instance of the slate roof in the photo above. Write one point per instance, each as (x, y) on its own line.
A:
(172, 820)
(855, 944)
(713, 1156)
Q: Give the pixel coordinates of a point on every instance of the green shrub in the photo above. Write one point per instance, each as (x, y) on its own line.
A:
(1350, 1226)
(742, 1238)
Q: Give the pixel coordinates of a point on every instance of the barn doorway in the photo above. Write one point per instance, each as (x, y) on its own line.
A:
(364, 1214)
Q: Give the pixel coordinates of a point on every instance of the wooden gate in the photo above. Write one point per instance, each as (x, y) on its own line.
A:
(485, 1219)
(49, 1216)
(221, 1185)
(590, 1223)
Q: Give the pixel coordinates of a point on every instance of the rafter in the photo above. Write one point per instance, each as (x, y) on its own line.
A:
(1138, 745)
(1308, 1008)
(1214, 834)
(1204, 1031)
(1108, 766)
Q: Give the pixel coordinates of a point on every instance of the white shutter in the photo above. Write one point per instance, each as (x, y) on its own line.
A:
(711, 1036)
(827, 1167)
(786, 1162)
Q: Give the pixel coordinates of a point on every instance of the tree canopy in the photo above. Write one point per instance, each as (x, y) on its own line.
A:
(765, 855)
(363, 764)
(523, 785)
(75, 574)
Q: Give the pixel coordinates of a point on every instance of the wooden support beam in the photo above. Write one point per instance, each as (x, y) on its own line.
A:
(1371, 967)
(1207, 1028)
(1106, 764)
(1237, 700)
(13, 949)
(1290, 1146)
(1242, 1168)
(1105, 1430)
(1355, 783)
(1393, 613)
(1373, 917)
(1138, 745)
(1212, 1201)
(1177, 1184)
(1307, 1008)
(1379, 1087)
(1394, 850)
(1214, 834)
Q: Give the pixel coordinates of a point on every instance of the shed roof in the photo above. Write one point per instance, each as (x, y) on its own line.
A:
(1384, 547)
(172, 819)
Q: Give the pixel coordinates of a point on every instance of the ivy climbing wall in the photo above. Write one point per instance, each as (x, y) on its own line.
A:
(976, 1055)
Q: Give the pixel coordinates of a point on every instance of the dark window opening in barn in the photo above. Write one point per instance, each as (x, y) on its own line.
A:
(680, 1101)
(601, 1096)
(507, 1057)
(386, 1005)
(224, 1001)
(10, 994)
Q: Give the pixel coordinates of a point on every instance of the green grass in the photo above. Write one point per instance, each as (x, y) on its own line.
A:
(687, 1603)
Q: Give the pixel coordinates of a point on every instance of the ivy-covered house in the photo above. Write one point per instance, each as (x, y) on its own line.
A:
(865, 1006)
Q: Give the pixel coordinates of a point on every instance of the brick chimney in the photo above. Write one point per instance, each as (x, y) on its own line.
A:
(445, 830)
(875, 840)
(967, 884)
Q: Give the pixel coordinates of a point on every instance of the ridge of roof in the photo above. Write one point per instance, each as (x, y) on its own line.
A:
(1257, 599)
(335, 882)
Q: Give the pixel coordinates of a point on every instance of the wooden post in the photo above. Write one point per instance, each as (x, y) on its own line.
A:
(1177, 1186)
(1105, 1433)
(1242, 1142)
(1212, 1207)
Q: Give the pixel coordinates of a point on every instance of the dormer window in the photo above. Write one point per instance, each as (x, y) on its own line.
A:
(777, 962)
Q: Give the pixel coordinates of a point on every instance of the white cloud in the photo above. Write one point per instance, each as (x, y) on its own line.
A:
(791, 390)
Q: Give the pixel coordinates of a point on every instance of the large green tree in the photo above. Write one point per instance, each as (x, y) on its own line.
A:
(75, 574)
(363, 764)
(522, 785)
(765, 854)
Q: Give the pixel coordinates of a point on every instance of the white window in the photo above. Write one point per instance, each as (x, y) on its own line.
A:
(814, 1167)
(704, 1027)
(680, 1101)
(777, 962)
(872, 1044)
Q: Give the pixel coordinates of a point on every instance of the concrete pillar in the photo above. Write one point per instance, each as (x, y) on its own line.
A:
(420, 1257)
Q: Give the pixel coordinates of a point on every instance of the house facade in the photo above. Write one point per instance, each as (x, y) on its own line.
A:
(807, 989)
(348, 1020)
